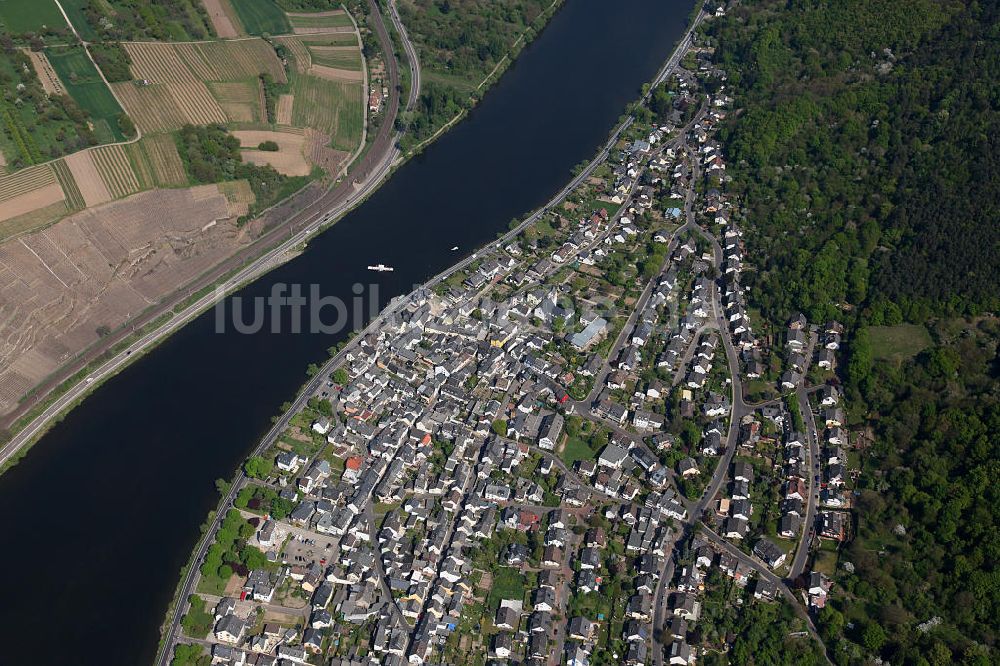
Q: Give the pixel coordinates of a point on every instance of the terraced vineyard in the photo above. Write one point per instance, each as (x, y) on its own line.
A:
(230, 61)
(118, 222)
(74, 198)
(116, 170)
(161, 152)
(239, 100)
(24, 181)
(158, 63)
(196, 103)
(197, 83)
(300, 54)
(29, 198)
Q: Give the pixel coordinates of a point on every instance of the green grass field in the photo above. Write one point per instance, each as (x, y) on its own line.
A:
(508, 583)
(18, 16)
(460, 83)
(261, 16)
(74, 10)
(897, 343)
(577, 449)
(85, 86)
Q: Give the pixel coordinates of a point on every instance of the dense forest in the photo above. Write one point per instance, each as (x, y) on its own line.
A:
(466, 38)
(863, 153)
(866, 152)
(928, 537)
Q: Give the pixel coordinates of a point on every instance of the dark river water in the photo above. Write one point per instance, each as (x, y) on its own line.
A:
(102, 513)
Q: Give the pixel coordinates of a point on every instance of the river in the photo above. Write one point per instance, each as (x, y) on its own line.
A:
(103, 511)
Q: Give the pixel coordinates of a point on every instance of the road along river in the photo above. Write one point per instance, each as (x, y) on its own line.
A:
(103, 511)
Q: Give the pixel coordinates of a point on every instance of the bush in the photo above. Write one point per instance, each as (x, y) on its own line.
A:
(126, 125)
(113, 60)
(268, 145)
(198, 621)
(212, 155)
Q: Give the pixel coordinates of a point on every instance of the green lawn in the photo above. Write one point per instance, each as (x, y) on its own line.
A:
(577, 449)
(85, 86)
(508, 583)
(212, 585)
(595, 204)
(826, 558)
(261, 16)
(897, 343)
(18, 16)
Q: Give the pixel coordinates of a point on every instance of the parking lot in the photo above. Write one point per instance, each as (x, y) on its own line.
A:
(304, 548)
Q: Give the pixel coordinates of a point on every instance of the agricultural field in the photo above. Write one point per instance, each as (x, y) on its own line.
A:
(261, 17)
(340, 56)
(21, 16)
(85, 86)
(29, 198)
(74, 197)
(326, 86)
(75, 11)
(239, 197)
(159, 156)
(87, 178)
(115, 168)
(332, 107)
(47, 76)
(337, 57)
(197, 83)
(223, 17)
(37, 196)
(304, 24)
(283, 109)
(241, 101)
(103, 231)
(205, 61)
(289, 159)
